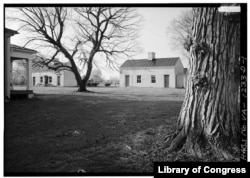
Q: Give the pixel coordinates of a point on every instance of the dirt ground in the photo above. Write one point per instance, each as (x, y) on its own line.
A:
(61, 130)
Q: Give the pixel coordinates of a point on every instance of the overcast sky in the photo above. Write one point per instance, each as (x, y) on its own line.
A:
(153, 36)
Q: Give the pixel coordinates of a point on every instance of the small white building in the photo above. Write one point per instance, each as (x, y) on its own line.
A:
(42, 76)
(152, 72)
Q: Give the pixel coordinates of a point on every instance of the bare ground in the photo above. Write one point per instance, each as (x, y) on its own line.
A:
(110, 130)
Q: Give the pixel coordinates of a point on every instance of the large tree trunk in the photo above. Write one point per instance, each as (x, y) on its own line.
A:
(80, 82)
(209, 118)
(82, 87)
(83, 83)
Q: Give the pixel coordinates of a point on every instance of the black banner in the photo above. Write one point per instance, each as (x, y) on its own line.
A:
(243, 84)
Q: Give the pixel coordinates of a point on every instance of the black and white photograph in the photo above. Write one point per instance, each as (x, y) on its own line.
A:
(111, 89)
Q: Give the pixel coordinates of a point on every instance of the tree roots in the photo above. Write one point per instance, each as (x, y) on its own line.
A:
(203, 148)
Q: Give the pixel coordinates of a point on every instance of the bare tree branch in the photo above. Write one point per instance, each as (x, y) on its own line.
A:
(95, 30)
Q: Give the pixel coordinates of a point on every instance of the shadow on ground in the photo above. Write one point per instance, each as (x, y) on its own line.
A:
(90, 132)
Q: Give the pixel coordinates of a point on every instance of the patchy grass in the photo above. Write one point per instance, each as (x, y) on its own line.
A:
(129, 93)
(106, 131)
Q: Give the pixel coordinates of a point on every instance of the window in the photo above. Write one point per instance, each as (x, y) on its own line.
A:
(41, 79)
(153, 79)
(138, 78)
(50, 79)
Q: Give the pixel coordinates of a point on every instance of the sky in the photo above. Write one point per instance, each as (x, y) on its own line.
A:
(153, 37)
(154, 34)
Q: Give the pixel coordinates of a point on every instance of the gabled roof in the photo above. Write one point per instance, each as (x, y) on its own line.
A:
(10, 31)
(36, 67)
(16, 47)
(43, 68)
(157, 62)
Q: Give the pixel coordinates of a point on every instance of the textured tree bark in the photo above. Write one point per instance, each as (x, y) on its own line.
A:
(82, 83)
(209, 119)
(82, 87)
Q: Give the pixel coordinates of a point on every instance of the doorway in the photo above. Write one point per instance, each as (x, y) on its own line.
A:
(126, 80)
(58, 80)
(46, 80)
(34, 81)
(166, 81)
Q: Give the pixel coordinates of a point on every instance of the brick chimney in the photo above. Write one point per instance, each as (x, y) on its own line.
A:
(151, 56)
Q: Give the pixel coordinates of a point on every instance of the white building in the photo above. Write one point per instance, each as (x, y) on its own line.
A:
(152, 72)
(42, 76)
(12, 53)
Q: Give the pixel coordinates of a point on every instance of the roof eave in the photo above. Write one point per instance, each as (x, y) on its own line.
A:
(26, 50)
(10, 31)
(22, 49)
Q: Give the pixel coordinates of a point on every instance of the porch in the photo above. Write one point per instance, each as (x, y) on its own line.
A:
(21, 94)
(17, 53)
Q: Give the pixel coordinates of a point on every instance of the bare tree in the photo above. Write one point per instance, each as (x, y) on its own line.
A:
(96, 76)
(180, 32)
(111, 31)
(19, 72)
(208, 124)
(93, 30)
(114, 80)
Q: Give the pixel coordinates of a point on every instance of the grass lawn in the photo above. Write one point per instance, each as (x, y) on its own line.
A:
(63, 131)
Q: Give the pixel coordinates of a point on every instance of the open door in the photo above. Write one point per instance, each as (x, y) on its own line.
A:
(58, 80)
(46, 80)
(126, 80)
(34, 81)
(166, 81)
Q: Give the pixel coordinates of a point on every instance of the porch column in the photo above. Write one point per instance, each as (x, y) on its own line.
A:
(29, 74)
(7, 68)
